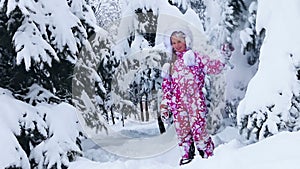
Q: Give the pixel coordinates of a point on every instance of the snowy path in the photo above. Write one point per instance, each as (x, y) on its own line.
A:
(277, 152)
(138, 147)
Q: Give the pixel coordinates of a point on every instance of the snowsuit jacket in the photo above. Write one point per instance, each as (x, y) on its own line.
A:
(187, 80)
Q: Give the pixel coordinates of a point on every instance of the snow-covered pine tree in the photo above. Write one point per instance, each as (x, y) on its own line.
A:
(8, 25)
(139, 80)
(141, 92)
(96, 66)
(182, 5)
(145, 85)
(251, 41)
(108, 15)
(137, 32)
(34, 134)
(224, 21)
(200, 8)
(272, 99)
(86, 81)
(43, 41)
(230, 21)
(107, 68)
(147, 25)
(41, 44)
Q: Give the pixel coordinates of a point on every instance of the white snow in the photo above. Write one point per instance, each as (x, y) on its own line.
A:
(33, 40)
(136, 145)
(275, 82)
(63, 135)
(232, 152)
(9, 143)
(57, 122)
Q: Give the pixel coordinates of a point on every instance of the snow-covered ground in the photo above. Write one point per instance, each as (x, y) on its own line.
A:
(232, 152)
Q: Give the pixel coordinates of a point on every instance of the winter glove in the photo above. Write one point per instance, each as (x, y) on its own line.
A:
(166, 114)
(170, 120)
(165, 72)
(189, 58)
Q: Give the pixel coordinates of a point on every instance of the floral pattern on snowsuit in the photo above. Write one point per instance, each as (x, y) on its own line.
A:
(185, 99)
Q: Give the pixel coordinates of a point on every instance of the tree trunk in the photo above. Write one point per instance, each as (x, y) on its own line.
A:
(106, 114)
(146, 107)
(123, 120)
(112, 116)
(142, 113)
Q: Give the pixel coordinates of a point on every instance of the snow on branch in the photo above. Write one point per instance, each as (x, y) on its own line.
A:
(61, 145)
(9, 143)
(50, 28)
(30, 45)
(34, 137)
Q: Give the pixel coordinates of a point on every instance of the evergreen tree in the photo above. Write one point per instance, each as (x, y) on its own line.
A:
(222, 32)
(108, 15)
(137, 33)
(251, 40)
(182, 5)
(138, 80)
(272, 108)
(34, 133)
(143, 88)
(200, 8)
(40, 44)
(147, 24)
(231, 19)
(107, 68)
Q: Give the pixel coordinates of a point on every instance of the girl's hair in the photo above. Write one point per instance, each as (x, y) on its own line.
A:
(178, 34)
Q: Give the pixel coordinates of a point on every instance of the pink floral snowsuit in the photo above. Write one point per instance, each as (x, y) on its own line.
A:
(186, 100)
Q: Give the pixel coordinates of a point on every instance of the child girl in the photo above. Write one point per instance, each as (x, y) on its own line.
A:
(183, 81)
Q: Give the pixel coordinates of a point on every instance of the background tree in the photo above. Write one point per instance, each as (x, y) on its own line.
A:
(182, 5)
(251, 41)
(40, 45)
(144, 90)
(267, 110)
(108, 15)
(136, 36)
(200, 8)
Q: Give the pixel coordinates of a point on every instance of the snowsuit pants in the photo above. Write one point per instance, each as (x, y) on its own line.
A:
(190, 124)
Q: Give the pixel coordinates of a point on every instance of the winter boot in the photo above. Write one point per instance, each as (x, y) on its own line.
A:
(192, 150)
(188, 156)
(203, 154)
(208, 150)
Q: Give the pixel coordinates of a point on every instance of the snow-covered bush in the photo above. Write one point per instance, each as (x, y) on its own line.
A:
(33, 137)
(91, 79)
(136, 36)
(46, 37)
(40, 47)
(272, 98)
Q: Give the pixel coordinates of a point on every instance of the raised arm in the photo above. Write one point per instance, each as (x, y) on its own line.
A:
(212, 66)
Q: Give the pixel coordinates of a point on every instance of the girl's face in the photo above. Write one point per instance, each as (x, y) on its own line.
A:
(178, 44)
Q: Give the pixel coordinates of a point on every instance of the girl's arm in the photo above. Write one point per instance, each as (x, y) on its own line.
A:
(212, 66)
(166, 88)
(165, 107)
